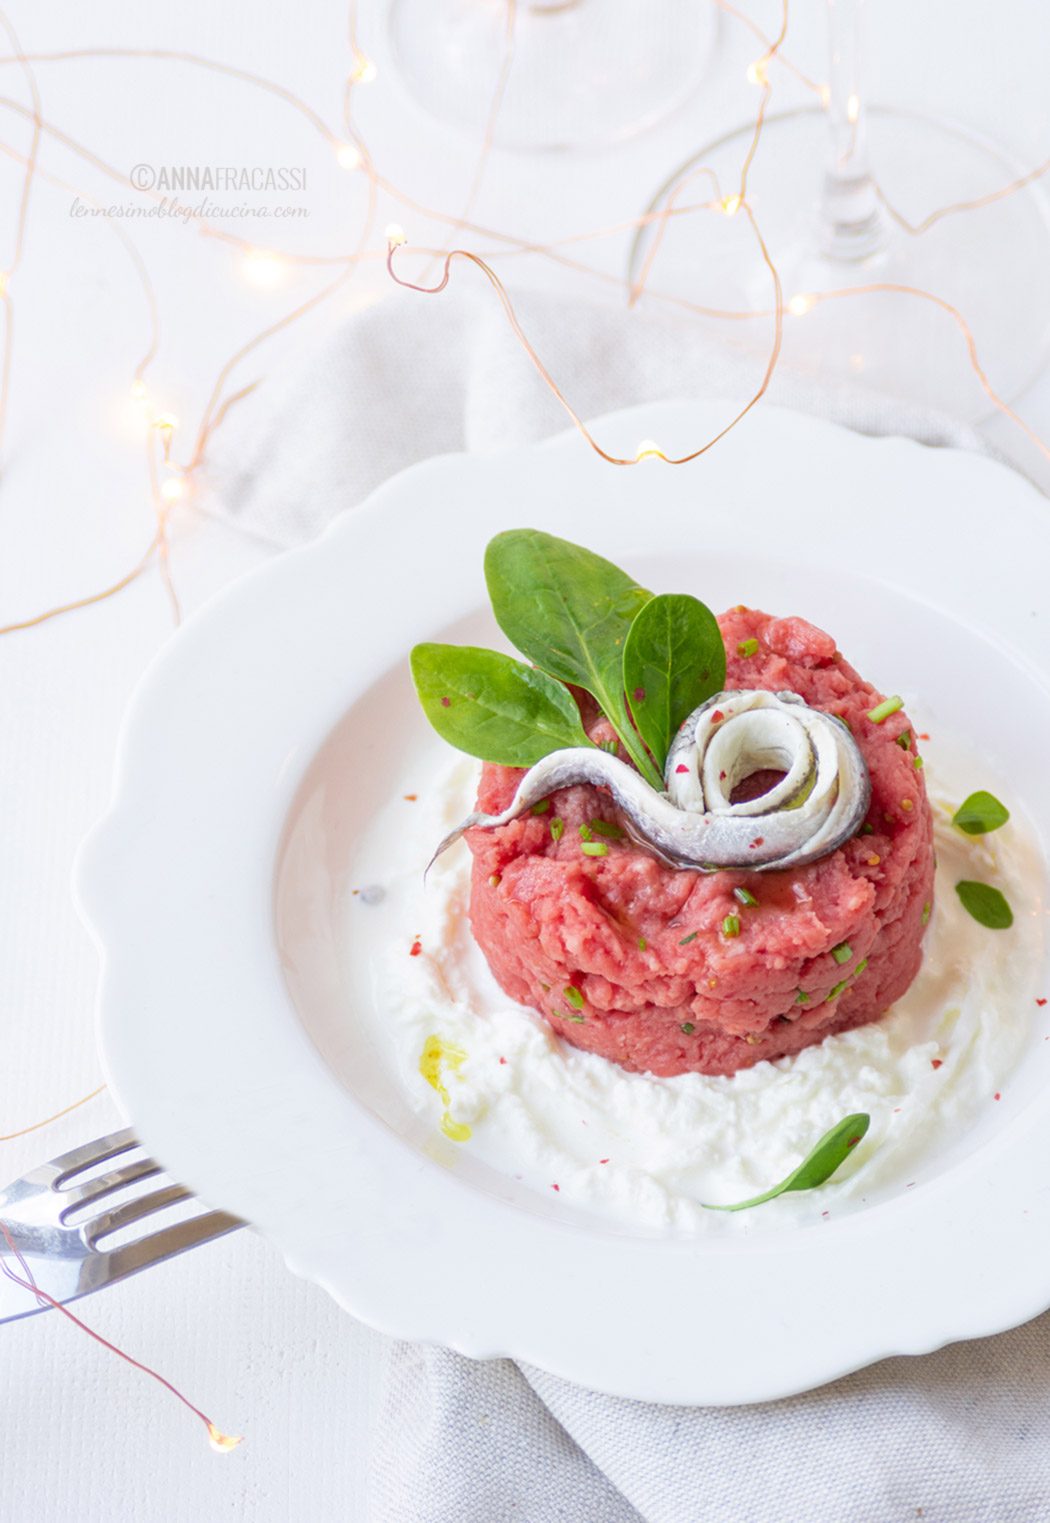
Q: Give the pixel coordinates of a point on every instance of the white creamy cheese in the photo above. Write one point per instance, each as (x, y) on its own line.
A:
(647, 1151)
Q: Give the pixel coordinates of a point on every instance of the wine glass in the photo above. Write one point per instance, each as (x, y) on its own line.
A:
(570, 73)
(843, 195)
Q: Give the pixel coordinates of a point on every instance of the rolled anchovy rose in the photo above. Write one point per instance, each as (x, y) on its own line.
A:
(819, 802)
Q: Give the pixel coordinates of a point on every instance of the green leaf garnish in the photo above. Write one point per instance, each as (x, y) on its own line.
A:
(980, 813)
(986, 904)
(570, 611)
(673, 659)
(494, 707)
(817, 1167)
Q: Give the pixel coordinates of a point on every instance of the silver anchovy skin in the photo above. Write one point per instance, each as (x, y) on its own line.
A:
(819, 803)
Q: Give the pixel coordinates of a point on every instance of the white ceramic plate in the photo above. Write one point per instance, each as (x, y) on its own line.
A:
(280, 718)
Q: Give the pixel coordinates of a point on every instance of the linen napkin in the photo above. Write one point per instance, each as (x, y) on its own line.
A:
(961, 1436)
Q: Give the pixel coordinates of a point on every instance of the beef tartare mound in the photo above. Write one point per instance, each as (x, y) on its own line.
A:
(667, 970)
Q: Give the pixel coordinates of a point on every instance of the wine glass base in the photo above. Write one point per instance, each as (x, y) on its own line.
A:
(991, 264)
(582, 73)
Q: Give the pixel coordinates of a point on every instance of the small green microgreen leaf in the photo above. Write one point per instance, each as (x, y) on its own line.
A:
(817, 1167)
(980, 813)
(986, 904)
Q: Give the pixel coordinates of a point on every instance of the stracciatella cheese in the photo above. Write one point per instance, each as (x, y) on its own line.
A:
(648, 1151)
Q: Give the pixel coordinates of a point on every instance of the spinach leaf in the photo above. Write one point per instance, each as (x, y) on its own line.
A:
(673, 659)
(980, 813)
(570, 611)
(818, 1166)
(492, 706)
(986, 904)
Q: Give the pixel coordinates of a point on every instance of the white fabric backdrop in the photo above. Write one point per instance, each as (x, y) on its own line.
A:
(81, 1436)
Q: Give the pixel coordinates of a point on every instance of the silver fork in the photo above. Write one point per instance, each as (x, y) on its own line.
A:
(66, 1257)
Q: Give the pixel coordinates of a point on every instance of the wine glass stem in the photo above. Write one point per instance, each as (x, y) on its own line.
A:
(852, 224)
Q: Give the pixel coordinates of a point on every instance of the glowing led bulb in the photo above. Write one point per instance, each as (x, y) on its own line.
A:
(825, 96)
(363, 71)
(262, 269)
(4, 277)
(648, 449)
(138, 390)
(222, 1443)
(348, 156)
(166, 422)
(730, 205)
(756, 73)
(853, 109)
(172, 488)
(799, 305)
(395, 235)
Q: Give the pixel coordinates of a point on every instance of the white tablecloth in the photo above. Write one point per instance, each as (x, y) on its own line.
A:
(83, 1436)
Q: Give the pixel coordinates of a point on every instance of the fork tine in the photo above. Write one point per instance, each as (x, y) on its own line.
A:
(88, 1154)
(75, 1197)
(166, 1243)
(133, 1211)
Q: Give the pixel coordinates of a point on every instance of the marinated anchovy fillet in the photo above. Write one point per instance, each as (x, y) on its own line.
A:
(819, 802)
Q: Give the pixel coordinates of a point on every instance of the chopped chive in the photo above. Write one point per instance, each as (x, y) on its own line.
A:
(557, 828)
(611, 746)
(594, 849)
(802, 998)
(918, 763)
(927, 907)
(843, 952)
(859, 969)
(688, 1027)
(745, 896)
(608, 829)
(884, 709)
(837, 989)
(574, 996)
(579, 1019)
(687, 939)
(747, 648)
(585, 832)
(542, 807)
(731, 925)
(642, 943)
(904, 740)
(867, 830)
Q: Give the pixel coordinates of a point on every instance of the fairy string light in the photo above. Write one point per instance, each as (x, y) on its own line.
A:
(222, 1443)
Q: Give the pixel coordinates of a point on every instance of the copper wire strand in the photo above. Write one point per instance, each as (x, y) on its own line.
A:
(21, 221)
(36, 1126)
(772, 53)
(519, 332)
(27, 1281)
